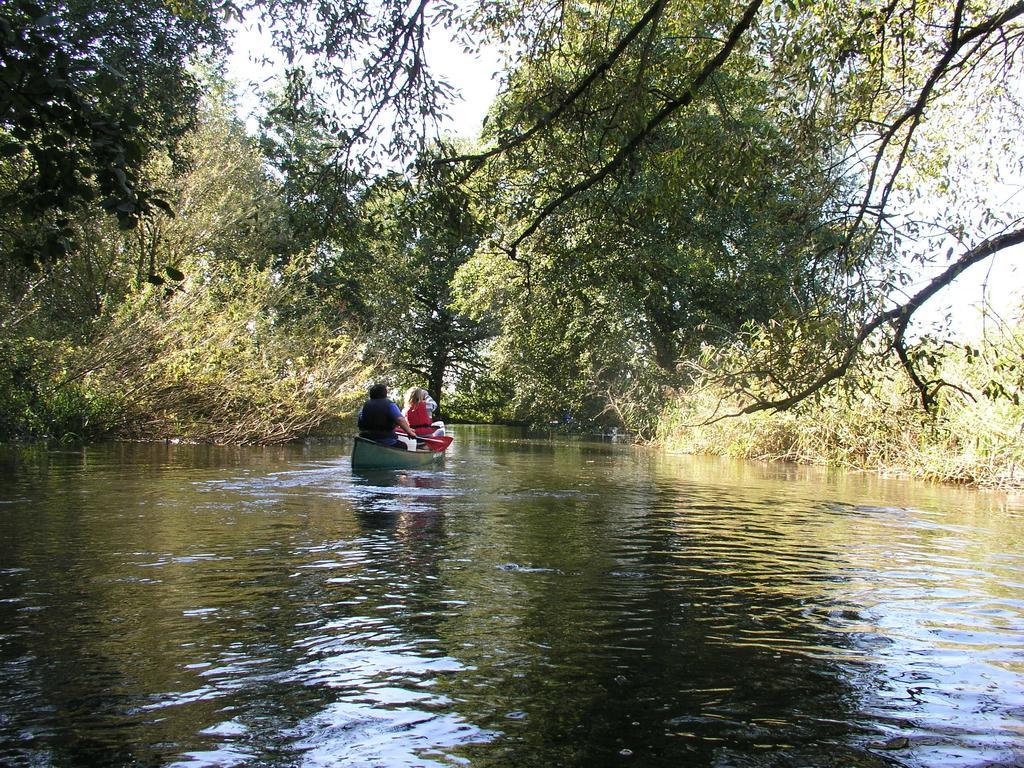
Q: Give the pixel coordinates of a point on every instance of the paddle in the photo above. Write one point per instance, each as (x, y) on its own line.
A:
(435, 443)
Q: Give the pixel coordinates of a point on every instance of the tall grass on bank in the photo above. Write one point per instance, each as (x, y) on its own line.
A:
(239, 355)
(873, 420)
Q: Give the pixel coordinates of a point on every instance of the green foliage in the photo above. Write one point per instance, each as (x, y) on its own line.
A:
(483, 398)
(37, 400)
(417, 233)
(226, 209)
(362, 66)
(317, 189)
(85, 91)
(760, 206)
(152, 324)
(622, 222)
(718, 222)
(563, 354)
(226, 206)
(234, 357)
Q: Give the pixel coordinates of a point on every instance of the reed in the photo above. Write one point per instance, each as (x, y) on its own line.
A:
(873, 421)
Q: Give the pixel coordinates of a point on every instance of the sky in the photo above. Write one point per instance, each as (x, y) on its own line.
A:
(471, 74)
(999, 281)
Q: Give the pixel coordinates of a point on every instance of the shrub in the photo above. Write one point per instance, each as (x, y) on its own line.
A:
(38, 400)
(234, 355)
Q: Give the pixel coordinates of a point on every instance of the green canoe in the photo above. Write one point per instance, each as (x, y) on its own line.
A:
(366, 454)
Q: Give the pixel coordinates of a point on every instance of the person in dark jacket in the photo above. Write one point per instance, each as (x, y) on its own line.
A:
(379, 416)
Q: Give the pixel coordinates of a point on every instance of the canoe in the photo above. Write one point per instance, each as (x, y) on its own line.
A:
(366, 454)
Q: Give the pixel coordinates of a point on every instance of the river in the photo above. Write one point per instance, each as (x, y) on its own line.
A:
(530, 604)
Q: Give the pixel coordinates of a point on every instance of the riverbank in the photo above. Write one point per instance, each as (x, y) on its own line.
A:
(972, 437)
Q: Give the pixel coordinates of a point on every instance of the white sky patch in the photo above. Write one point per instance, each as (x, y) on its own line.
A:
(989, 291)
(997, 283)
(472, 74)
(254, 64)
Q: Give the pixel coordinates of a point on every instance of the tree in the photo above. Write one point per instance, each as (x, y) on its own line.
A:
(227, 210)
(420, 232)
(718, 221)
(85, 91)
(363, 67)
(598, 100)
(318, 188)
(848, 88)
(927, 94)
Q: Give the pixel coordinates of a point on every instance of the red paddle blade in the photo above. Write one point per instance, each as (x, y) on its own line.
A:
(436, 443)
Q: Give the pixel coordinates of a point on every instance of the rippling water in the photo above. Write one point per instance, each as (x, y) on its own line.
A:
(529, 604)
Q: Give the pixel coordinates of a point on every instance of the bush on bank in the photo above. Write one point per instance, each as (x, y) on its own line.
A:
(874, 420)
(232, 355)
(37, 400)
(236, 355)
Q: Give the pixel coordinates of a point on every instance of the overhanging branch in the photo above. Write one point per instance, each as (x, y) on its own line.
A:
(628, 149)
(898, 316)
(959, 40)
(547, 119)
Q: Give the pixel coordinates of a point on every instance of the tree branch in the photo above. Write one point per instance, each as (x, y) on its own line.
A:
(545, 120)
(626, 151)
(913, 114)
(900, 347)
(899, 316)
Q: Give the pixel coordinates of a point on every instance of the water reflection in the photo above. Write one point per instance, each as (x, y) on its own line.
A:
(531, 604)
(367, 646)
(386, 711)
